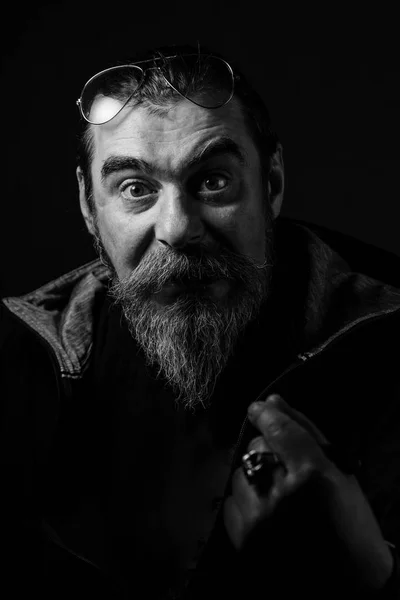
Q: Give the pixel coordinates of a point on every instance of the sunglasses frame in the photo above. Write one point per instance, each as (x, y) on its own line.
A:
(143, 71)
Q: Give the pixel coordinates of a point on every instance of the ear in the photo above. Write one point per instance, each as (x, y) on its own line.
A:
(85, 210)
(276, 181)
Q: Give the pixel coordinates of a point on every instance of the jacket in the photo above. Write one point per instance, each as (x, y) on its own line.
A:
(342, 326)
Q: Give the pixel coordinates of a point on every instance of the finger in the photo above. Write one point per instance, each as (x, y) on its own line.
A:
(247, 492)
(264, 478)
(299, 417)
(259, 444)
(233, 521)
(257, 501)
(302, 420)
(246, 496)
(296, 447)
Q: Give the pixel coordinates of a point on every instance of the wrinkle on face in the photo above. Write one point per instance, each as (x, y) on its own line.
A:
(188, 337)
(167, 141)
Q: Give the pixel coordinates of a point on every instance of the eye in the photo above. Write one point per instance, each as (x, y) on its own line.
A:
(135, 189)
(215, 182)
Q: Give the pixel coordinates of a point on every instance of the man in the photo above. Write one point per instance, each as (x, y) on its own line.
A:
(135, 462)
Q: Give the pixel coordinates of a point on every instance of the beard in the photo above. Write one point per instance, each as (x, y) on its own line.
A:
(190, 340)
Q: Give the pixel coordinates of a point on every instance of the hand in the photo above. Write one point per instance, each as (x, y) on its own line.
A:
(298, 444)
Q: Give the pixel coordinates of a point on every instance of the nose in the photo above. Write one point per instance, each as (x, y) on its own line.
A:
(179, 221)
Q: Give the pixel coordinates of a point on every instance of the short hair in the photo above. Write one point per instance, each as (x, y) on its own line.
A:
(156, 94)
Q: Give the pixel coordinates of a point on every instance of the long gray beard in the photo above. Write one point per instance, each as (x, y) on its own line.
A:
(190, 340)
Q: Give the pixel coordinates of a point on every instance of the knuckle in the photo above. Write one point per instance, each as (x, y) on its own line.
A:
(307, 470)
(276, 426)
(301, 475)
(259, 444)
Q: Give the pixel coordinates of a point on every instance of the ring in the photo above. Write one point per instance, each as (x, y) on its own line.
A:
(254, 463)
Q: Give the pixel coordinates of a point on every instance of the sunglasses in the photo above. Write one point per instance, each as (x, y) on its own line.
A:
(209, 83)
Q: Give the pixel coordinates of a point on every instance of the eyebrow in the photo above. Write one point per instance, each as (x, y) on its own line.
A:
(222, 146)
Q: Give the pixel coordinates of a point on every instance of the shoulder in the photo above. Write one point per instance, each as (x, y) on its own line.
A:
(58, 316)
(14, 334)
(360, 257)
(23, 356)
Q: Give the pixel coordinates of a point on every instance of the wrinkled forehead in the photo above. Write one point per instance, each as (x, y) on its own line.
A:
(167, 134)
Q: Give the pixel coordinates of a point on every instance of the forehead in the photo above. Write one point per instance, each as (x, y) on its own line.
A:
(168, 137)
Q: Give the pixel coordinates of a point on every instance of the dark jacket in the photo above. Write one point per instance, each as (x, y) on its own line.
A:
(333, 354)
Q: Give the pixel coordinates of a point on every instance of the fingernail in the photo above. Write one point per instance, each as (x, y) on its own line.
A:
(255, 408)
(274, 398)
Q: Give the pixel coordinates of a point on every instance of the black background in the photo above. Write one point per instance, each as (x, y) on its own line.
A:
(331, 81)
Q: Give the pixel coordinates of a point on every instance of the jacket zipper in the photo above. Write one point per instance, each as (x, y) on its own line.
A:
(301, 359)
(53, 536)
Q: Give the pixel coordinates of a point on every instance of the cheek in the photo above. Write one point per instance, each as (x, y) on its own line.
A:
(253, 236)
(254, 218)
(119, 237)
(246, 229)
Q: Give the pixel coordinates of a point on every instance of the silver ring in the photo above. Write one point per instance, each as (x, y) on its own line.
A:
(254, 461)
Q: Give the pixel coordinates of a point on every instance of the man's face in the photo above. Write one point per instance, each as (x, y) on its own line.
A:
(179, 199)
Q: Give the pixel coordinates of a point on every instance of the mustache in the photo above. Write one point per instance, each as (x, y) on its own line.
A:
(166, 266)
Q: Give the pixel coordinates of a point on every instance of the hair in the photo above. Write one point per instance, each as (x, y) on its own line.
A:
(157, 96)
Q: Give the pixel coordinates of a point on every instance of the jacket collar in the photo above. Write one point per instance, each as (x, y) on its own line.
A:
(63, 311)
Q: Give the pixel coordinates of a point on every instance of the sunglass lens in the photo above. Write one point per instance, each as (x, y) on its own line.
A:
(106, 94)
(205, 80)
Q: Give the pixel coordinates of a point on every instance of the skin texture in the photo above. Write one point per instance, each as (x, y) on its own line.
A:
(213, 219)
(298, 443)
(167, 142)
